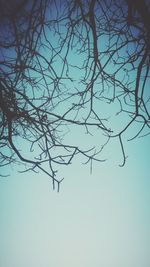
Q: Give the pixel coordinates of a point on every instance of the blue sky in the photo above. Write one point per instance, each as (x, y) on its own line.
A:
(96, 220)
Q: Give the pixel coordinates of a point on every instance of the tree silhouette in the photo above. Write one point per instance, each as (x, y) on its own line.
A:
(64, 64)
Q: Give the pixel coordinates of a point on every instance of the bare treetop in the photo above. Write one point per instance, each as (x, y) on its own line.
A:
(66, 64)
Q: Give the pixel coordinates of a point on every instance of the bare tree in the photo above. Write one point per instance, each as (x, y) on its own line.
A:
(62, 64)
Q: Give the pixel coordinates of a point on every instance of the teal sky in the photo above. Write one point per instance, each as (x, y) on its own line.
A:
(96, 220)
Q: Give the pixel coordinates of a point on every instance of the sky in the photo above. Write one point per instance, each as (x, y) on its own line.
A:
(98, 219)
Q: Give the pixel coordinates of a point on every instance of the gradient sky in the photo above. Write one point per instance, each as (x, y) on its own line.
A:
(96, 220)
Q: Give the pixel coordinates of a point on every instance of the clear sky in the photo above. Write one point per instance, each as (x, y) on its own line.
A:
(96, 220)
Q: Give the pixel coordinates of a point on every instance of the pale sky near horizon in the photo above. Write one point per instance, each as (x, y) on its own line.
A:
(96, 220)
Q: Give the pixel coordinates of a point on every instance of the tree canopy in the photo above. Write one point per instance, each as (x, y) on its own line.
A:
(71, 64)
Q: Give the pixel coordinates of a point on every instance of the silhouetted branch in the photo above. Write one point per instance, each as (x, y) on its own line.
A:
(71, 65)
